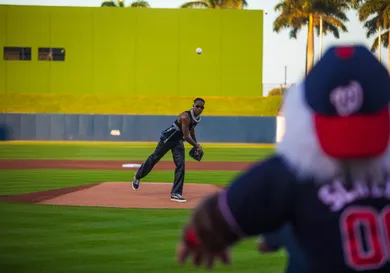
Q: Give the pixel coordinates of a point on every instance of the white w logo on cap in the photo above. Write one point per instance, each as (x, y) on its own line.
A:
(347, 99)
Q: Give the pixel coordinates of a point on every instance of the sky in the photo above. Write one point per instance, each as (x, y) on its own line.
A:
(279, 51)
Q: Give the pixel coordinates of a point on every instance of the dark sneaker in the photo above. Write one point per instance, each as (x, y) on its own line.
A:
(177, 198)
(135, 183)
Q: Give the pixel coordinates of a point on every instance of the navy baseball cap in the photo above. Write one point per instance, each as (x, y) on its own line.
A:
(349, 92)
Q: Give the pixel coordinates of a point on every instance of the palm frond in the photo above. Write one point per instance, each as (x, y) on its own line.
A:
(108, 4)
(140, 4)
(331, 28)
(294, 23)
(335, 22)
(371, 26)
(195, 4)
(356, 4)
(231, 4)
(294, 32)
(280, 6)
(371, 7)
(384, 39)
(121, 3)
(280, 23)
(339, 14)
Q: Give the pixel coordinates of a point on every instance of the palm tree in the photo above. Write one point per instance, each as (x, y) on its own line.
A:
(216, 4)
(121, 4)
(140, 4)
(379, 11)
(323, 15)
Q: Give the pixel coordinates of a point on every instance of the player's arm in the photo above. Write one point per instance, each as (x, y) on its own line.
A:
(192, 133)
(185, 120)
(258, 201)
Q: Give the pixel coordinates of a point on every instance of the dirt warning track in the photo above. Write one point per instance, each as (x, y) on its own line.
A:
(116, 165)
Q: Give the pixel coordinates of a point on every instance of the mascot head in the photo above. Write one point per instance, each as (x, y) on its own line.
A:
(337, 119)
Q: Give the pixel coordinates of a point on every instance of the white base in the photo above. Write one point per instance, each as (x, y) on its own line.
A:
(131, 165)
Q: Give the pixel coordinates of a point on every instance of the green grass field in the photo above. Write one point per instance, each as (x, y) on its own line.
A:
(125, 151)
(46, 238)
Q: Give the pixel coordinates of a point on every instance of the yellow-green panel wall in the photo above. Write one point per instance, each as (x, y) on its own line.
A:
(3, 28)
(157, 52)
(114, 62)
(200, 74)
(137, 52)
(26, 27)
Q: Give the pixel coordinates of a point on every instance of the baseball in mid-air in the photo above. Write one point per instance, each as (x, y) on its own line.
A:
(198, 50)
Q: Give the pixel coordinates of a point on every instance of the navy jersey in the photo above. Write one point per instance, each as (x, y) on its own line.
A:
(284, 237)
(339, 229)
(174, 132)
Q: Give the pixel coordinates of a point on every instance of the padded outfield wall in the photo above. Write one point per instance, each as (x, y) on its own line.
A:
(57, 127)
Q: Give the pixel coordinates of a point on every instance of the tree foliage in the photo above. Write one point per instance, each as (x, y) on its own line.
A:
(121, 4)
(296, 14)
(216, 4)
(276, 92)
(140, 4)
(375, 14)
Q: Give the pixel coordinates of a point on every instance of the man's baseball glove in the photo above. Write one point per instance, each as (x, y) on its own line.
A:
(195, 154)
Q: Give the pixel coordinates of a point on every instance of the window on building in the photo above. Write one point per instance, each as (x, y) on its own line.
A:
(17, 53)
(51, 54)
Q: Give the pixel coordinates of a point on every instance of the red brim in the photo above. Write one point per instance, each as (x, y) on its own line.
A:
(356, 136)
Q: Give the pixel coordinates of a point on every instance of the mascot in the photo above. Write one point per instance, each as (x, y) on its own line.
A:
(329, 177)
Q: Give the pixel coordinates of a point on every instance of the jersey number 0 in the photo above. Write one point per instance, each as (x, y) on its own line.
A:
(366, 237)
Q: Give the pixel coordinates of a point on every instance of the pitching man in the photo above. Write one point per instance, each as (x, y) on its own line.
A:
(171, 139)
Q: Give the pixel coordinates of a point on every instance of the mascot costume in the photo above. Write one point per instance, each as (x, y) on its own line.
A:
(329, 177)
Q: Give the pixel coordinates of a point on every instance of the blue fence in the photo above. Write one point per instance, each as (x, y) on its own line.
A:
(134, 127)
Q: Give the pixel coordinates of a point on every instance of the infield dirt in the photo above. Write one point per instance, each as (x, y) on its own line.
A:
(116, 194)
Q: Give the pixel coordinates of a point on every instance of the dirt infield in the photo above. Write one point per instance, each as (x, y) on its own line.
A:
(115, 165)
(117, 194)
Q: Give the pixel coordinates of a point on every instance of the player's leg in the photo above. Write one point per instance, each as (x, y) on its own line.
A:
(179, 159)
(161, 149)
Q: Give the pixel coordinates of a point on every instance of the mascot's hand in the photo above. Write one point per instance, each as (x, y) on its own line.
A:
(200, 255)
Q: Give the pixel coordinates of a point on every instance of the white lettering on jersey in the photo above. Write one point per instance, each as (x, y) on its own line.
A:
(347, 99)
(337, 196)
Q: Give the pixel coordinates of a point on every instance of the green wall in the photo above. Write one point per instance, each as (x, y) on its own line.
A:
(134, 52)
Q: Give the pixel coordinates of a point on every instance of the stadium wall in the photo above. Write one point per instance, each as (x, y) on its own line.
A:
(68, 127)
(133, 52)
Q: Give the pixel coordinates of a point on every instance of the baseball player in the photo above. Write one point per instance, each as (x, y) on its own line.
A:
(329, 177)
(183, 128)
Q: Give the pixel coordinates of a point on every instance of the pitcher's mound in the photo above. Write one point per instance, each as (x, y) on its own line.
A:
(121, 195)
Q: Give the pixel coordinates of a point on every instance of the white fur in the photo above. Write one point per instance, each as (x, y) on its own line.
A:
(301, 149)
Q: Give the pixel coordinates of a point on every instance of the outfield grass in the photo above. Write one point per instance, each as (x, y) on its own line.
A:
(25, 181)
(43, 238)
(124, 151)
